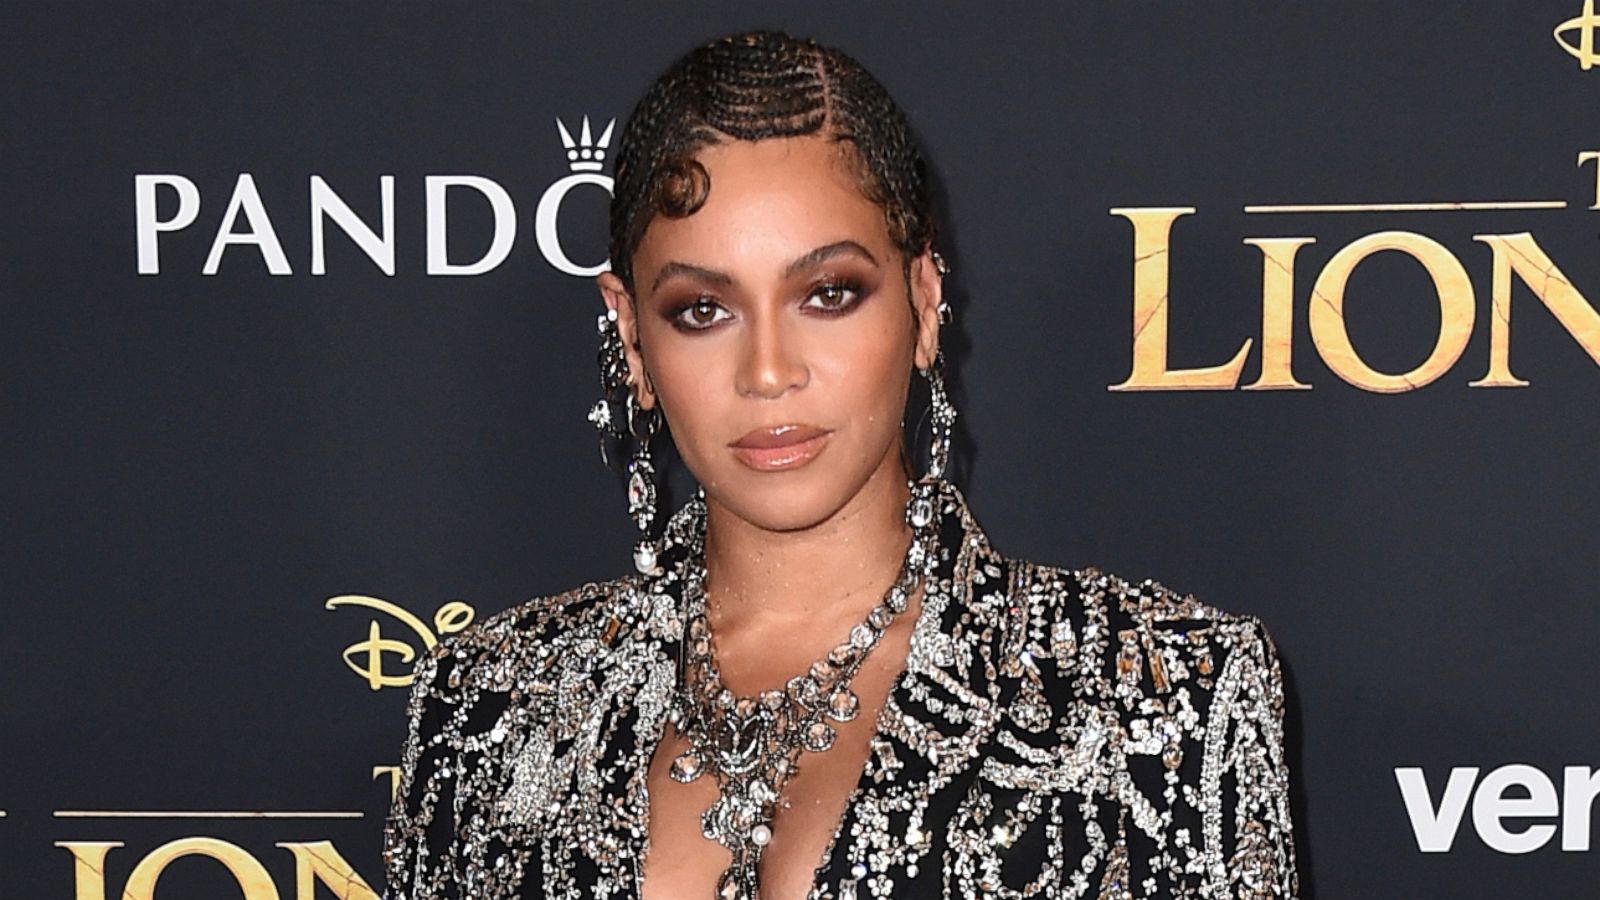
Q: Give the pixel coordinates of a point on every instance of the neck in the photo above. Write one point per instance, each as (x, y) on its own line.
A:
(815, 581)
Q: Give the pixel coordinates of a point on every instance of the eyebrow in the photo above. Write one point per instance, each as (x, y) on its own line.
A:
(811, 258)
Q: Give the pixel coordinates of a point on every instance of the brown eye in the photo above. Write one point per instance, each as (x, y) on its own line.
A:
(835, 297)
(698, 315)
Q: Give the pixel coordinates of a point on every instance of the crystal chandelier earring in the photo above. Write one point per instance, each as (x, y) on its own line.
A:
(941, 412)
(943, 418)
(642, 483)
(636, 422)
(920, 509)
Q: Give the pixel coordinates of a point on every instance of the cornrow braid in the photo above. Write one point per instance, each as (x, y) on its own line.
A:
(762, 84)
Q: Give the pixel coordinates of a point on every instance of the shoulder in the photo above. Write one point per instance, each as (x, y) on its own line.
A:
(1171, 705)
(530, 668)
(1138, 637)
(528, 638)
(1162, 669)
(489, 706)
(1142, 603)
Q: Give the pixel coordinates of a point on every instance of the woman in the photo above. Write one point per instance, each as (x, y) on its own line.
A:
(822, 681)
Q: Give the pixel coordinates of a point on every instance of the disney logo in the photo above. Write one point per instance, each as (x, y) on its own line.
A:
(366, 658)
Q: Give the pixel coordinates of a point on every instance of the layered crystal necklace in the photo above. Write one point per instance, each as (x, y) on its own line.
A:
(752, 745)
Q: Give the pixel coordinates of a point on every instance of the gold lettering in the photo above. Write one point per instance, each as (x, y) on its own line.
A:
(1152, 245)
(318, 861)
(1277, 313)
(365, 658)
(1585, 24)
(375, 646)
(452, 617)
(1521, 254)
(89, 867)
(394, 779)
(1589, 156)
(247, 871)
(1456, 310)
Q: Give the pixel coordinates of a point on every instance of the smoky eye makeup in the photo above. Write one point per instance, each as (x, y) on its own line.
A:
(838, 295)
(699, 313)
(828, 296)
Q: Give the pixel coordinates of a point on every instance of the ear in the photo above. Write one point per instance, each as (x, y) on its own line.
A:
(616, 296)
(927, 291)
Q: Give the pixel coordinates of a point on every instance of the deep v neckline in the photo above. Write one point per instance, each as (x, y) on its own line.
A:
(928, 620)
(926, 614)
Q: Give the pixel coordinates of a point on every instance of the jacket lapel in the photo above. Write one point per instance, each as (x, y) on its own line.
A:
(941, 709)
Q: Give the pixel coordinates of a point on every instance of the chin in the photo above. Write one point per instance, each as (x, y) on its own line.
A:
(785, 501)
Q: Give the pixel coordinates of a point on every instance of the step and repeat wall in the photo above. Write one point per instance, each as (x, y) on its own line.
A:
(1289, 306)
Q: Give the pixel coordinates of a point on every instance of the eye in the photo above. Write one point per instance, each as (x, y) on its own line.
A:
(698, 315)
(836, 296)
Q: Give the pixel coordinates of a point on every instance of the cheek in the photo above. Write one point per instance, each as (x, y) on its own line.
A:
(693, 389)
(694, 380)
(867, 368)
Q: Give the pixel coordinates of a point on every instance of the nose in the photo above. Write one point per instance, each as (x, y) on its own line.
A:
(773, 361)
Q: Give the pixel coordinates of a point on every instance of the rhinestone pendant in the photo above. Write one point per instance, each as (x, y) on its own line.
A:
(761, 792)
(804, 689)
(641, 491)
(636, 490)
(729, 888)
(819, 737)
(881, 616)
(843, 705)
(686, 767)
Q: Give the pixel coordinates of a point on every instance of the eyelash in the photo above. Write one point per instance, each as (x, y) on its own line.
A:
(843, 286)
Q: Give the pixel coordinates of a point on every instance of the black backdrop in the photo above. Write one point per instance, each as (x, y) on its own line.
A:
(196, 464)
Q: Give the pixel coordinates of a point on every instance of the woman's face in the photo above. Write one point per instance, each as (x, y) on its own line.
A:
(780, 304)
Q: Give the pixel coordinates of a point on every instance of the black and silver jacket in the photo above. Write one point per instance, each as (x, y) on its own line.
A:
(1056, 733)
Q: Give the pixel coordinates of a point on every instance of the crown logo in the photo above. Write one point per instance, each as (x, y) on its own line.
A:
(1585, 25)
(586, 154)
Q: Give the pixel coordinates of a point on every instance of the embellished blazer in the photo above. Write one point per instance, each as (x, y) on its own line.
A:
(1055, 733)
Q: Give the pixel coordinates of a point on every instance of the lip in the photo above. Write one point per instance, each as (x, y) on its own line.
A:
(780, 447)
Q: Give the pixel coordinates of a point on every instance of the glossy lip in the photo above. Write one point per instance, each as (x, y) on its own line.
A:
(780, 447)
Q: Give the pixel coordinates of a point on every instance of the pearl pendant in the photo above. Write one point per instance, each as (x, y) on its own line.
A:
(644, 558)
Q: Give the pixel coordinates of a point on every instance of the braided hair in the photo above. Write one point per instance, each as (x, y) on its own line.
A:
(758, 85)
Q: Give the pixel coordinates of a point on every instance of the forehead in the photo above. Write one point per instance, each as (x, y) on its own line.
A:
(769, 198)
